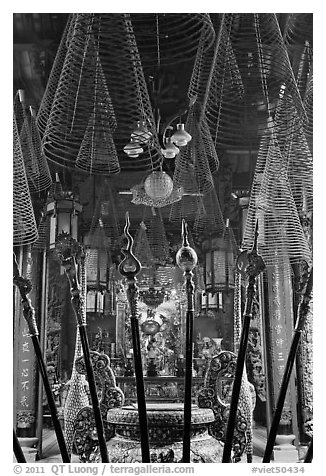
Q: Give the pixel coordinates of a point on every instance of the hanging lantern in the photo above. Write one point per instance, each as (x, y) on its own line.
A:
(63, 210)
(170, 150)
(97, 262)
(181, 137)
(133, 148)
(158, 185)
(220, 255)
(141, 134)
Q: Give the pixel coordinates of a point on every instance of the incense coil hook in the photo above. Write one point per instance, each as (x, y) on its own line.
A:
(130, 265)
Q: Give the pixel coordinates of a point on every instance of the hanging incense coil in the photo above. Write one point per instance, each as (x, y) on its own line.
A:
(43, 231)
(102, 66)
(52, 84)
(250, 67)
(209, 218)
(36, 166)
(185, 208)
(308, 104)
(171, 38)
(106, 213)
(298, 37)
(299, 164)
(142, 247)
(198, 159)
(281, 235)
(156, 234)
(24, 224)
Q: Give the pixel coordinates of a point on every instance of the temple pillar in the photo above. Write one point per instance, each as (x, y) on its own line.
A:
(26, 375)
(279, 331)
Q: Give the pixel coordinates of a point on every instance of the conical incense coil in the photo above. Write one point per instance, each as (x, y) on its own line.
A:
(105, 212)
(209, 218)
(280, 232)
(36, 165)
(52, 84)
(171, 38)
(108, 39)
(298, 37)
(299, 166)
(157, 236)
(198, 159)
(142, 247)
(24, 224)
(249, 69)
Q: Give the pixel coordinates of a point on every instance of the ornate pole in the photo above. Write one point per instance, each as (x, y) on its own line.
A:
(18, 450)
(24, 285)
(69, 251)
(129, 268)
(252, 264)
(308, 458)
(186, 259)
(301, 317)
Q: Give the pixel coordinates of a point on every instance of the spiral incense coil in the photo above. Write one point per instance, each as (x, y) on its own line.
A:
(102, 68)
(200, 76)
(209, 217)
(281, 235)
(308, 104)
(198, 159)
(52, 84)
(106, 213)
(157, 236)
(43, 231)
(298, 35)
(185, 208)
(36, 166)
(250, 68)
(24, 224)
(142, 247)
(171, 38)
(299, 164)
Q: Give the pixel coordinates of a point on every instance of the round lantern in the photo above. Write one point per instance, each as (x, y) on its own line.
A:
(158, 185)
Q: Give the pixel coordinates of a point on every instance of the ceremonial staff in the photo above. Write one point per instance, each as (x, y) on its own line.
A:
(301, 318)
(25, 286)
(129, 268)
(69, 251)
(186, 259)
(18, 451)
(252, 264)
(308, 457)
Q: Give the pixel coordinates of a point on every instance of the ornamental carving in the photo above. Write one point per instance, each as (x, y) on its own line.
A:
(25, 419)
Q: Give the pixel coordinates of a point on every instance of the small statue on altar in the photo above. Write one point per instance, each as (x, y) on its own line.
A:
(151, 354)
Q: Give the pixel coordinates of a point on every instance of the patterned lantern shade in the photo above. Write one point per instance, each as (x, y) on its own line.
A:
(158, 185)
(220, 256)
(63, 210)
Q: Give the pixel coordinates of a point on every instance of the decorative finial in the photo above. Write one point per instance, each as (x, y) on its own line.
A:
(250, 263)
(129, 266)
(186, 257)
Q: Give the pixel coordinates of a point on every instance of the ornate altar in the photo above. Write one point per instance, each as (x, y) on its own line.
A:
(165, 428)
(167, 389)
